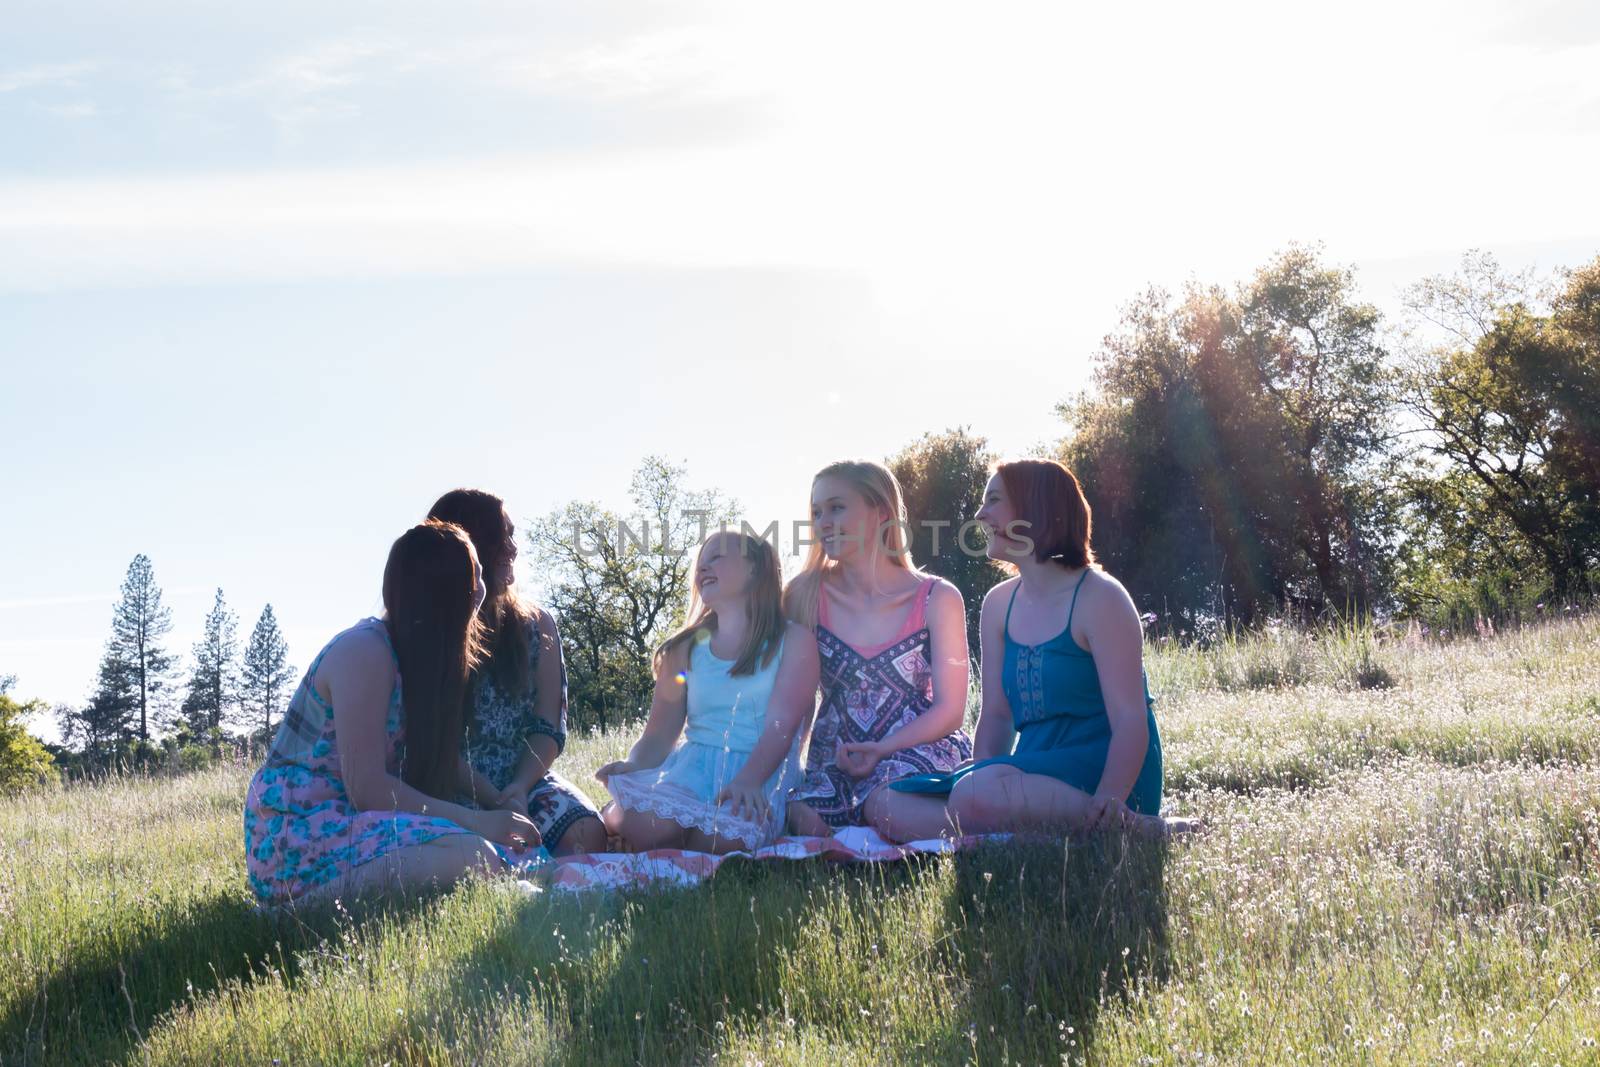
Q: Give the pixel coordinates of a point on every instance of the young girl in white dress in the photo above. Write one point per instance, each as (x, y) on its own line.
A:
(738, 685)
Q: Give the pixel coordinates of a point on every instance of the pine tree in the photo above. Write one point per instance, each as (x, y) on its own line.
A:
(137, 625)
(214, 683)
(104, 728)
(267, 675)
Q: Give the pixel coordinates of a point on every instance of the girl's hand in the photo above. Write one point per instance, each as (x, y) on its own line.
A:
(507, 828)
(858, 758)
(746, 801)
(1107, 812)
(513, 799)
(620, 766)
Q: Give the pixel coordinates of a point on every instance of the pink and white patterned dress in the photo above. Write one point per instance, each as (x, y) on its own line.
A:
(300, 828)
(867, 694)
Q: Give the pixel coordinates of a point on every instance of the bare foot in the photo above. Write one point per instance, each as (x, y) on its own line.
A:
(1170, 826)
(1183, 824)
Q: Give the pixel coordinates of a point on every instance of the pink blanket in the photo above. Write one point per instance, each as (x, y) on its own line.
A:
(672, 866)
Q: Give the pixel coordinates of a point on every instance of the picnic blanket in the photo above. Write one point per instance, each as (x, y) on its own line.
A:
(680, 867)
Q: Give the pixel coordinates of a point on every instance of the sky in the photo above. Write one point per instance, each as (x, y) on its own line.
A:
(272, 277)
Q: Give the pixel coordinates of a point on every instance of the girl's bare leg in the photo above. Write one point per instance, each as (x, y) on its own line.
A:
(805, 822)
(1001, 798)
(442, 861)
(906, 816)
(585, 835)
(700, 841)
(641, 831)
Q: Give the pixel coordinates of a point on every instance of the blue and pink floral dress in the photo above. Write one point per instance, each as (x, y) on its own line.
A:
(301, 830)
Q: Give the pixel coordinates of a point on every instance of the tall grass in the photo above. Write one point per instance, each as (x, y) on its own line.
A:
(1404, 874)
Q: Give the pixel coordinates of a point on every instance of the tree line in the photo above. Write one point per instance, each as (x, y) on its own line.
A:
(1277, 448)
(144, 708)
(1273, 449)
(1270, 449)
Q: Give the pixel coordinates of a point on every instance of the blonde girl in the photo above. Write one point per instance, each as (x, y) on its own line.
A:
(892, 649)
(737, 686)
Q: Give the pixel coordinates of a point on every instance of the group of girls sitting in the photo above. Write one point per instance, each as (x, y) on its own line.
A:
(418, 747)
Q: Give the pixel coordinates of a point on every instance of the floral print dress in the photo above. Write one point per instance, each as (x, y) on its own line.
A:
(497, 736)
(301, 830)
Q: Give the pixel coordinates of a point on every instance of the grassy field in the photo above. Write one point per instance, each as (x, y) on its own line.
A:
(1402, 866)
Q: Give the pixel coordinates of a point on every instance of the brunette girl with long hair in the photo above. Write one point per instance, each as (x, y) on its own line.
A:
(352, 792)
(516, 699)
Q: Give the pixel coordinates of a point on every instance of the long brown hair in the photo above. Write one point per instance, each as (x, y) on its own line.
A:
(765, 605)
(507, 619)
(1047, 496)
(428, 598)
(880, 489)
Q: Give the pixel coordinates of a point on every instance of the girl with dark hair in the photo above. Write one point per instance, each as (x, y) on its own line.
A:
(516, 702)
(1067, 737)
(350, 794)
(738, 685)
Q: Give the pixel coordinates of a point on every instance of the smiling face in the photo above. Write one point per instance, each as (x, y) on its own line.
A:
(997, 514)
(722, 573)
(842, 521)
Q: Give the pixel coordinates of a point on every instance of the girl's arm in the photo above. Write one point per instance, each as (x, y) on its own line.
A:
(947, 635)
(475, 785)
(1116, 640)
(668, 710)
(550, 685)
(789, 710)
(359, 673)
(996, 731)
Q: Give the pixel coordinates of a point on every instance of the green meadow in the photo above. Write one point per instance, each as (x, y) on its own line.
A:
(1401, 865)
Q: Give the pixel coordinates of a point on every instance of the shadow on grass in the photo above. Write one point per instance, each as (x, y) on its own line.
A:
(129, 970)
(665, 976)
(1048, 931)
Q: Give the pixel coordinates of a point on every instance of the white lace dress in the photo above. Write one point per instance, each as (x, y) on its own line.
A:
(725, 716)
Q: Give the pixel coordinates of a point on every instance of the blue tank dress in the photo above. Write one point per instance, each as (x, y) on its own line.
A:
(725, 715)
(1060, 716)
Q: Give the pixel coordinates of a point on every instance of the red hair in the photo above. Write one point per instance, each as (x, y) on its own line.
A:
(1046, 496)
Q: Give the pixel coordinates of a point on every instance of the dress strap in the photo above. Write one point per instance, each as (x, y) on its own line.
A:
(1005, 627)
(919, 613)
(1074, 608)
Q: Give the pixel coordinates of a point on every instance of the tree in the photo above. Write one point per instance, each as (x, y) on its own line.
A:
(942, 477)
(214, 683)
(138, 623)
(619, 585)
(24, 762)
(1233, 446)
(266, 676)
(106, 727)
(1315, 352)
(1505, 397)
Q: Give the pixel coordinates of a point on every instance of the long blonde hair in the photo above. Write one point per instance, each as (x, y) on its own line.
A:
(880, 489)
(765, 606)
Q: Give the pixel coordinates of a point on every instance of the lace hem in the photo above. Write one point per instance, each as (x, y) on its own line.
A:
(688, 812)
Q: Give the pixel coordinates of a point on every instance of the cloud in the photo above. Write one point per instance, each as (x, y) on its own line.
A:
(67, 75)
(921, 148)
(92, 598)
(79, 110)
(1550, 24)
